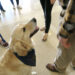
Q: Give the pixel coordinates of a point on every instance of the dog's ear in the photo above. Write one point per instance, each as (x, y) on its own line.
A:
(21, 47)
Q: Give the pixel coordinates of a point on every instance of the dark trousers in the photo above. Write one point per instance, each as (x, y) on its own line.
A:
(47, 8)
(1, 7)
(2, 38)
(17, 1)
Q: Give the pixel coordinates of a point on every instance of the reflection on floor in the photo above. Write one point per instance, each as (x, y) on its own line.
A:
(45, 51)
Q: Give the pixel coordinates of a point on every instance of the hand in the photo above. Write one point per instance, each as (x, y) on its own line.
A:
(64, 42)
(52, 1)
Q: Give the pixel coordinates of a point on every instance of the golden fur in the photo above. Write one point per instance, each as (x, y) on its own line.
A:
(20, 43)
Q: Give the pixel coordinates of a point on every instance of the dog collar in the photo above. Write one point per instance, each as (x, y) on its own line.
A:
(30, 59)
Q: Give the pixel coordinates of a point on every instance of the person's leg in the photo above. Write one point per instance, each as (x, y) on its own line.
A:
(19, 7)
(48, 9)
(43, 7)
(17, 1)
(2, 38)
(12, 2)
(1, 7)
(64, 56)
(3, 42)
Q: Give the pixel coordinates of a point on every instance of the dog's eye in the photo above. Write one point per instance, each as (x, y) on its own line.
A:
(24, 29)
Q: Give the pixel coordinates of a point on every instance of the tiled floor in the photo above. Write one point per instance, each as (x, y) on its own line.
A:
(45, 51)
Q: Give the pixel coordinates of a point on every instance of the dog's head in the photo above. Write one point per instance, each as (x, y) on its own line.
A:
(20, 40)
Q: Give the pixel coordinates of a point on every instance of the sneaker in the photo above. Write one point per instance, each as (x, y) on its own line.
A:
(19, 7)
(3, 11)
(4, 44)
(14, 7)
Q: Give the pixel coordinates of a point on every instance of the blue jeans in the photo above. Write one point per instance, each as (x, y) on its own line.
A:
(17, 1)
(2, 38)
(1, 7)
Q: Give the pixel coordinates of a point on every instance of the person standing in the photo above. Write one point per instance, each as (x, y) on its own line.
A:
(17, 2)
(47, 8)
(66, 36)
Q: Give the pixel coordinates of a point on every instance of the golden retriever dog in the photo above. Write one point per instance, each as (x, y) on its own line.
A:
(20, 47)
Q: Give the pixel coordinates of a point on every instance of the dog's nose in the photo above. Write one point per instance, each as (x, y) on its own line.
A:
(34, 19)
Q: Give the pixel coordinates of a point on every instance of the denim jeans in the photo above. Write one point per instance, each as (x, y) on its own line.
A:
(1, 7)
(2, 38)
(17, 1)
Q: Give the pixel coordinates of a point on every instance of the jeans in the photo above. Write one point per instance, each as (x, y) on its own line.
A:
(1, 7)
(17, 1)
(2, 38)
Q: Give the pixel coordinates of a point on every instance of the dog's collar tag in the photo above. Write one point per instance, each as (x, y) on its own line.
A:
(30, 59)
